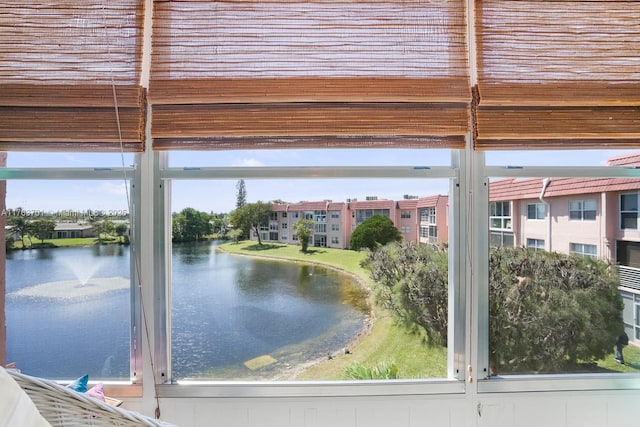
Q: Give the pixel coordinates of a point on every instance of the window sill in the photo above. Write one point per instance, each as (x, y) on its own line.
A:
(193, 389)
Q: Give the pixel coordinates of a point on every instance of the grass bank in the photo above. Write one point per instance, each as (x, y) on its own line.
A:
(65, 243)
(386, 341)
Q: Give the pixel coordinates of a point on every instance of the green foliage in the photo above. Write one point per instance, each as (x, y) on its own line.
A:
(304, 230)
(383, 371)
(20, 225)
(42, 228)
(241, 194)
(235, 234)
(547, 311)
(251, 216)
(412, 282)
(375, 231)
(190, 225)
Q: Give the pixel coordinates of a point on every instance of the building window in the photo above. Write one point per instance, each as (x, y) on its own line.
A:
(335, 240)
(321, 228)
(335, 214)
(284, 215)
(501, 238)
(320, 216)
(335, 227)
(405, 214)
(536, 244)
(405, 229)
(536, 210)
(500, 215)
(582, 210)
(364, 214)
(273, 216)
(284, 226)
(629, 211)
(583, 249)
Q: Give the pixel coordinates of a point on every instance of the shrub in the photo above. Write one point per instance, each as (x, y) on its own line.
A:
(413, 283)
(547, 311)
(374, 232)
(384, 371)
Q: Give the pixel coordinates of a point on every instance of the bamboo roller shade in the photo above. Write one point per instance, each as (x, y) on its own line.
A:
(298, 119)
(363, 73)
(59, 64)
(297, 73)
(555, 74)
(334, 141)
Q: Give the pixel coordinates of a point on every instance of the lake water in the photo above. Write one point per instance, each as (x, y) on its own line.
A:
(233, 317)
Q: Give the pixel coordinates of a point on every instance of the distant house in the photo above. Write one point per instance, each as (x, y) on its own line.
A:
(71, 230)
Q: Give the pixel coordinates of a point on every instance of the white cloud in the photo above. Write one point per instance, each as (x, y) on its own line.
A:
(248, 162)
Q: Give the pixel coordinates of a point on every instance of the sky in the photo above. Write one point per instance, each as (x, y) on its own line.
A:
(220, 195)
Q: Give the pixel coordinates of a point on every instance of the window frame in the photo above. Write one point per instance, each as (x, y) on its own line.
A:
(454, 383)
(582, 210)
(636, 211)
(536, 206)
(133, 387)
(541, 382)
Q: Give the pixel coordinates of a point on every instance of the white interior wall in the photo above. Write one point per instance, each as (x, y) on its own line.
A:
(539, 409)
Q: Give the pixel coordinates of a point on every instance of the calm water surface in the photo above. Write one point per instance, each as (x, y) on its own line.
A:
(233, 317)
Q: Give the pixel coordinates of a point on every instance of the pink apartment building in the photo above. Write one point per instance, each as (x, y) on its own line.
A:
(421, 220)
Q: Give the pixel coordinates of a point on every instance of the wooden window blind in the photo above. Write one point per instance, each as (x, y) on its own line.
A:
(558, 74)
(281, 73)
(60, 62)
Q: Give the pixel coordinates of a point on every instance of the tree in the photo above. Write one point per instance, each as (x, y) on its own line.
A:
(22, 227)
(190, 225)
(412, 282)
(43, 228)
(548, 312)
(121, 230)
(241, 194)
(251, 216)
(304, 230)
(375, 231)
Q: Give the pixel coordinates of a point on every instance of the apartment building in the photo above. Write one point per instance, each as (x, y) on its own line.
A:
(421, 220)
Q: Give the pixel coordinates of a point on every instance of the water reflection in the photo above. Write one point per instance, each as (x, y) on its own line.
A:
(253, 308)
(226, 310)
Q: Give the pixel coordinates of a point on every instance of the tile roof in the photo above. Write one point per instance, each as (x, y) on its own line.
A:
(372, 204)
(530, 188)
(407, 203)
(431, 201)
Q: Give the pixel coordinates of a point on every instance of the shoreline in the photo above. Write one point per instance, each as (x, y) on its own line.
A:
(352, 345)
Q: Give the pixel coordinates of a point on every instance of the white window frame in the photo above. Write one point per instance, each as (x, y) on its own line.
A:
(581, 209)
(536, 244)
(580, 249)
(455, 381)
(480, 304)
(538, 207)
(113, 173)
(636, 211)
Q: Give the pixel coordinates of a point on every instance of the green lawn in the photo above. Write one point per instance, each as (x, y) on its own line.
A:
(64, 243)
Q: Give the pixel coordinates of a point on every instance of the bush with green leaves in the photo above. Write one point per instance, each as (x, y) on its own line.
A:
(548, 312)
(412, 282)
(383, 371)
(374, 232)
